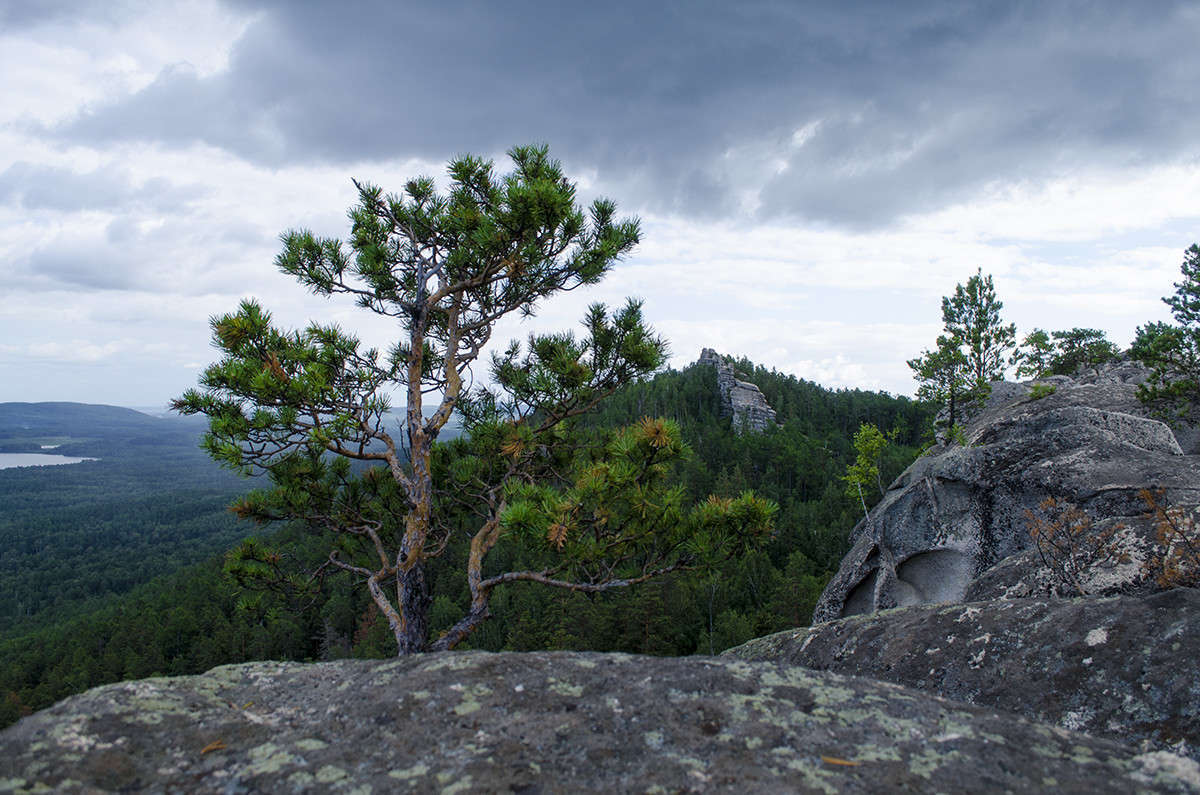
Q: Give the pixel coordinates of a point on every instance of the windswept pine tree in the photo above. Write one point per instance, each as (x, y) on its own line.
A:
(300, 406)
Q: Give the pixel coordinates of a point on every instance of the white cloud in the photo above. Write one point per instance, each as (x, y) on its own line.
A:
(56, 69)
(127, 285)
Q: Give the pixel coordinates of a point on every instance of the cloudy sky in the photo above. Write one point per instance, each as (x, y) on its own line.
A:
(811, 177)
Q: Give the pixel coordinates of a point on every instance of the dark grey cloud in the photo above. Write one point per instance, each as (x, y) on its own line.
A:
(915, 104)
(40, 187)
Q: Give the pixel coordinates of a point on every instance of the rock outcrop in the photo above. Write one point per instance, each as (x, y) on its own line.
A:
(955, 524)
(552, 722)
(1127, 667)
(742, 402)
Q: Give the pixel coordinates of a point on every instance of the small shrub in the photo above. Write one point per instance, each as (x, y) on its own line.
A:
(1069, 545)
(1039, 391)
(1177, 560)
(957, 435)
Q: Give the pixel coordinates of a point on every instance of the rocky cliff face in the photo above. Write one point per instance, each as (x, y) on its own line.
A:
(955, 528)
(742, 402)
(552, 722)
(955, 524)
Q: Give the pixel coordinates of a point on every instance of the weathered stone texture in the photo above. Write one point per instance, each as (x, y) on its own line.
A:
(950, 525)
(552, 722)
(742, 402)
(1126, 667)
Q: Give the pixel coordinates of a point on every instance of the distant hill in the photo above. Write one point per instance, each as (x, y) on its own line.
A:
(64, 417)
(86, 428)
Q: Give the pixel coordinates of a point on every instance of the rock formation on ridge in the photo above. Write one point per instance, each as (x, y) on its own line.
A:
(742, 402)
(955, 526)
(552, 722)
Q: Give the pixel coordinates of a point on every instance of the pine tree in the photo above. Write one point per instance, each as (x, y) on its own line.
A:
(1080, 349)
(1034, 356)
(941, 376)
(1173, 352)
(597, 513)
(972, 317)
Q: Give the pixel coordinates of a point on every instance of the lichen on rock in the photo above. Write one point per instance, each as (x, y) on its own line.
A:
(1123, 667)
(553, 722)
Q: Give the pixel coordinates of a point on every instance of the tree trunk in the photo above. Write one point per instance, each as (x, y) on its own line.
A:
(413, 592)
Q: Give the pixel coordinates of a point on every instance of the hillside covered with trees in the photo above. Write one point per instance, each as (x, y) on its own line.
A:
(190, 619)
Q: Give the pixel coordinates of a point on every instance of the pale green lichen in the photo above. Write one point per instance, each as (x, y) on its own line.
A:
(311, 744)
(564, 689)
(931, 760)
(269, 758)
(814, 777)
(300, 779)
(458, 786)
(1162, 768)
(470, 701)
(329, 774)
(448, 788)
(452, 661)
(418, 770)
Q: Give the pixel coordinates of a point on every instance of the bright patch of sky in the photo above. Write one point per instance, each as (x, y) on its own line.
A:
(810, 184)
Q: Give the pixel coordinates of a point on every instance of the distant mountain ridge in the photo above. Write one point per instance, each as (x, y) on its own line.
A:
(78, 427)
(64, 415)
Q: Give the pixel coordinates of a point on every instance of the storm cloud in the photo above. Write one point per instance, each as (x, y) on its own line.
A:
(811, 177)
(847, 114)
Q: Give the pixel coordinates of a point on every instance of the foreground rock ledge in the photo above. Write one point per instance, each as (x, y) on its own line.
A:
(478, 722)
(1125, 667)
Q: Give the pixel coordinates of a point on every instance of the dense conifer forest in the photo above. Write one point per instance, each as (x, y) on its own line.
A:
(150, 503)
(102, 581)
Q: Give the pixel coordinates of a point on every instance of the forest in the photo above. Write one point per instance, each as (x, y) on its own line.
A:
(151, 595)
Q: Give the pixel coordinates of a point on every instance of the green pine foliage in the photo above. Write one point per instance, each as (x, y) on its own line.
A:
(1067, 352)
(1172, 352)
(1035, 355)
(971, 316)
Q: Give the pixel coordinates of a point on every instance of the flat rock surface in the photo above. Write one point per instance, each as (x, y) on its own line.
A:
(1125, 667)
(553, 722)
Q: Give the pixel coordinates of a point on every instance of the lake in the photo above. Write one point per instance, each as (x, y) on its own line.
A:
(10, 460)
